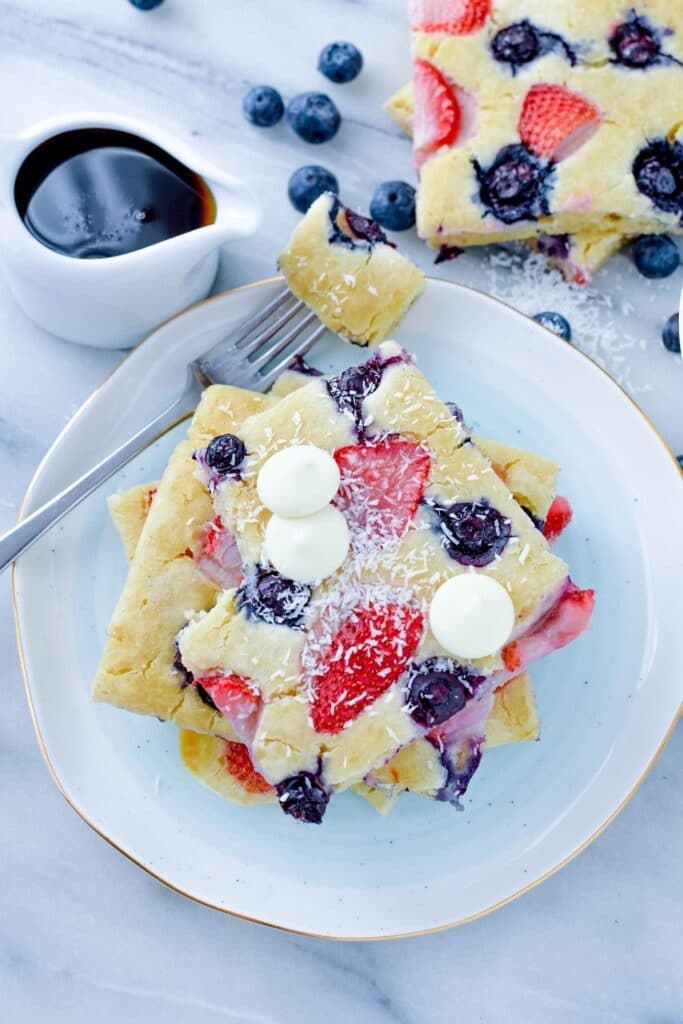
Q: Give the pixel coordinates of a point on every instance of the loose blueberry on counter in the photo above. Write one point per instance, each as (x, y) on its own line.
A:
(655, 256)
(146, 5)
(340, 62)
(520, 43)
(263, 106)
(437, 689)
(393, 205)
(472, 532)
(303, 797)
(225, 454)
(516, 184)
(554, 322)
(273, 598)
(658, 171)
(313, 116)
(670, 334)
(307, 183)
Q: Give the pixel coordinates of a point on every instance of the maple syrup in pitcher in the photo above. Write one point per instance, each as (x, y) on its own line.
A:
(92, 193)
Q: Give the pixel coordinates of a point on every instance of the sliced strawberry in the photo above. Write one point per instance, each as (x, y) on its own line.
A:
(237, 762)
(568, 617)
(456, 17)
(218, 558)
(236, 698)
(368, 653)
(558, 518)
(381, 486)
(554, 122)
(436, 120)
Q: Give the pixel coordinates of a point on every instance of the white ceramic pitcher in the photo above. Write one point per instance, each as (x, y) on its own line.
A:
(115, 301)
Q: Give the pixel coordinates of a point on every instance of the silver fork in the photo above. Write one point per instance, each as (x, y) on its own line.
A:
(251, 357)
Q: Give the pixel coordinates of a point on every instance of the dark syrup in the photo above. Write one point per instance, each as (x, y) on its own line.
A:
(96, 192)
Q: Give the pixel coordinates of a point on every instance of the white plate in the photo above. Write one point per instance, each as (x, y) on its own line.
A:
(606, 703)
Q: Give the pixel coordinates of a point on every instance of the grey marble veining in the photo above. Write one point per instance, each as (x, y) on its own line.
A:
(84, 935)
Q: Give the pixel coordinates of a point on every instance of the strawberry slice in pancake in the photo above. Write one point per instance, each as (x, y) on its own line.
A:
(367, 654)
(235, 759)
(554, 121)
(218, 558)
(381, 485)
(566, 620)
(454, 17)
(437, 116)
(235, 697)
(558, 518)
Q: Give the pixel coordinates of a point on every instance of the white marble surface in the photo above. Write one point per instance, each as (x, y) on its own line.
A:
(85, 935)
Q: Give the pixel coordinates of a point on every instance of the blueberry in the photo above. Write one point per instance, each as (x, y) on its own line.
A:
(658, 171)
(472, 532)
(679, 459)
(635, 43)
(303, 797)
(299, 365)
(655, 255)
(447, 253)
(393, 205)
(538, 523)
(515, 186)
(438, 689)
(554, 322)
(313, 116)
(340, 62)
(205, 697)
(225, 454)
(263, 106)
(456, 411)
(273, 598)
(555, 247)
(180, 667)
(670, 334)
(460, 764)
(307, 183)
(353, 385)
(516, 44)
(366, 229)
(146, 5)
(520, 43)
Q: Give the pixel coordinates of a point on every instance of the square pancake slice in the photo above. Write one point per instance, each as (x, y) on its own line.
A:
(577, 256)
(343, 266)
(324, 681)
(165, 582)
(546, 118)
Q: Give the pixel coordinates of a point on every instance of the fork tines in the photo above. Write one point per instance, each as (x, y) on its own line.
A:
(263, 346)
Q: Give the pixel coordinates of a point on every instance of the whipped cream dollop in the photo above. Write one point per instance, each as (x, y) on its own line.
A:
(471, 615)
(307, 548)
(298, 481)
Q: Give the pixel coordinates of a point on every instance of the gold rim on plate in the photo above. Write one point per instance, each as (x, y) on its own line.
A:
(553, 338)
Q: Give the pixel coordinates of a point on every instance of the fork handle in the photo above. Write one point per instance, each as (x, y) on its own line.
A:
(18, 540)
